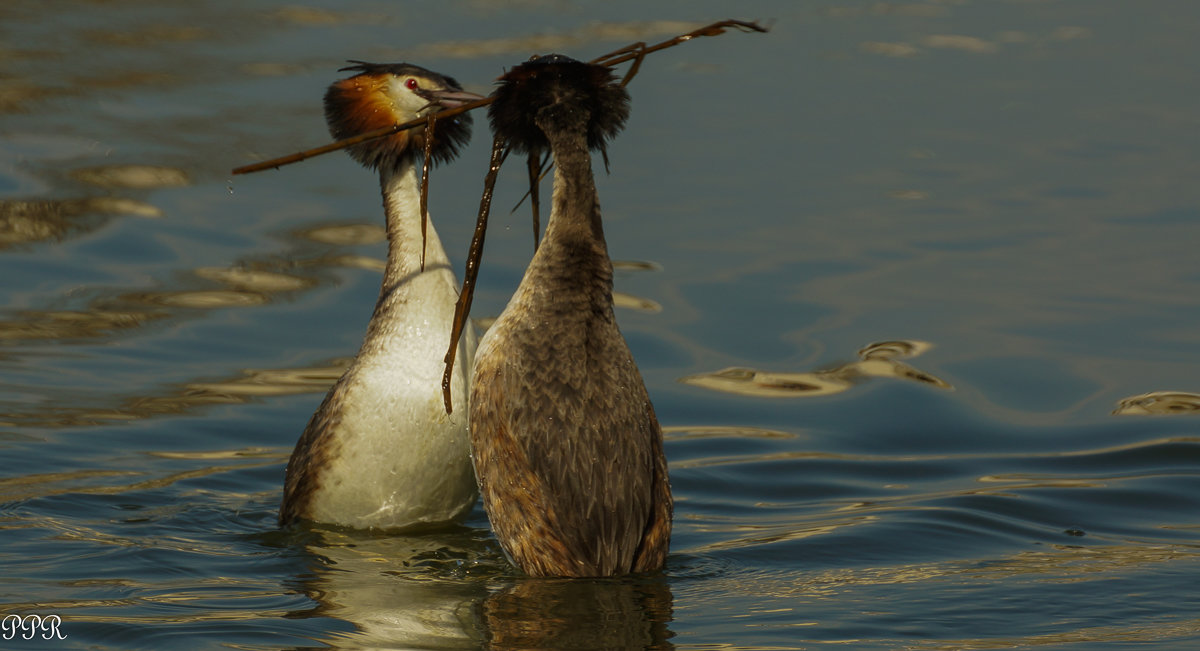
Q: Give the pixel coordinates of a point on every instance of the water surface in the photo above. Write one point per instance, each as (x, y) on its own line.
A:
(914, 288)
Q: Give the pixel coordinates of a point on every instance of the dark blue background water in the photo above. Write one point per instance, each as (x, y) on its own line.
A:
(1006, 189)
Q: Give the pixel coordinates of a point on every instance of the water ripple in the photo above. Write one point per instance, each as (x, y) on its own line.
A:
(917, 505)
(1159, 402)
(879, 359)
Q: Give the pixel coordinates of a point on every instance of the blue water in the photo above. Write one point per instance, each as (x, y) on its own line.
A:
(1005, 191)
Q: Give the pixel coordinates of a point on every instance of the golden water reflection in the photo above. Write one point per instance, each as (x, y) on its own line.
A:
(248, 385)
(25, 222)
(876, 360)
(70, 324)
(277, 381)
(134, 177)
(973, 44)
(631, 302)
(1117, 632)
(819, 591)
(198, 299)
(248, 285)
(690, 432)
(344, 234)
(251, 283)
(1159, 402)
(255, 279)
(25, 487)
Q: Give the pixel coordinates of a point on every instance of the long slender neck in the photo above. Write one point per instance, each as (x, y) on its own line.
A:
(575, 215)
(402, 210)
(573, 257)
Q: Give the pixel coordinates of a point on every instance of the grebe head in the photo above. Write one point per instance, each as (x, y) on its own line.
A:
(382, 95)
(556, 92)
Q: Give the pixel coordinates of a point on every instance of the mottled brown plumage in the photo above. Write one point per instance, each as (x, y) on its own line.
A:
(567, 449)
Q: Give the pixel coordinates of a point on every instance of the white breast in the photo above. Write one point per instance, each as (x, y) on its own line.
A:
(397, 460)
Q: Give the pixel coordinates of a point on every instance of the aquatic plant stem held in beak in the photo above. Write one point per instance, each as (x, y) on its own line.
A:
(463, 308)
(610, 59)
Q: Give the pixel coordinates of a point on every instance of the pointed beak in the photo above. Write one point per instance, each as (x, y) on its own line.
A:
(448, 98)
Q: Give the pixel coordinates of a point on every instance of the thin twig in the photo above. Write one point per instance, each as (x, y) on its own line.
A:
(382, 132)
(535, 177)
(543, 170)
(463, 307)
(429, 122)
(611, 59)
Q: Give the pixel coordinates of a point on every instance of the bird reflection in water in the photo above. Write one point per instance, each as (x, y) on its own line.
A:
(395, 591)
(580, 614)
(454, 590)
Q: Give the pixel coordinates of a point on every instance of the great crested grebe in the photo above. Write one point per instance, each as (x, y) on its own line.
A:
(567, 449)
(381, 452)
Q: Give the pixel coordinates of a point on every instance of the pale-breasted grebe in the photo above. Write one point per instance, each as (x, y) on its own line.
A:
(381, 452)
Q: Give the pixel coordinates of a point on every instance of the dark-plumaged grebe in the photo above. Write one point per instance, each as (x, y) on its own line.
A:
(381, 452)
(567, 449)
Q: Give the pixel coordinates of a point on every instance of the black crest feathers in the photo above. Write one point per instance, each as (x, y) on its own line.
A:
(557, 92)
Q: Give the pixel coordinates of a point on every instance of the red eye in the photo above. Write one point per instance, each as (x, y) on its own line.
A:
(411, 84)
